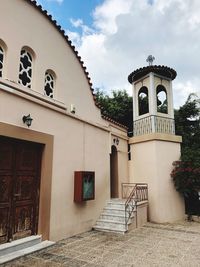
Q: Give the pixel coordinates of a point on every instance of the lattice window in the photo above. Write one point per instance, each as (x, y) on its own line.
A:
(25, 68)
(49, 84)
(1, 60)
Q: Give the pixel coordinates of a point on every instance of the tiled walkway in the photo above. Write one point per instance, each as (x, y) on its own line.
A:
(151, 245)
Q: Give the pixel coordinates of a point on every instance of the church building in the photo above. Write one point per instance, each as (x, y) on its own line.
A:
(61, 160)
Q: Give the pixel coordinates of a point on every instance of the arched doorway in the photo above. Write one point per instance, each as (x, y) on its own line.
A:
(114, 173)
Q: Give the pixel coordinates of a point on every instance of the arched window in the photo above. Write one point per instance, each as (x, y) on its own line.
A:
(25, 68)
(49, 83)
(1, 61)
(143, 100)
(162, 105)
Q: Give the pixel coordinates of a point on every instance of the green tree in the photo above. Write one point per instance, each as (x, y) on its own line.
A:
(187, 121)
(118, 106)
(186, 172)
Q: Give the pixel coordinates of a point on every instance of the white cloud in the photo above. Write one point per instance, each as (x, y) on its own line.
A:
(74, 37)
(76, 23)
(125, 32)
(105, 14)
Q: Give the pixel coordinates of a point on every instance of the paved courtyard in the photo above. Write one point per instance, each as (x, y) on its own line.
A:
(151, 245)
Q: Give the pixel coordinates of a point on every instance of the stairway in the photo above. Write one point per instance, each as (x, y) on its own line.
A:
(112, 219)
(22, 247)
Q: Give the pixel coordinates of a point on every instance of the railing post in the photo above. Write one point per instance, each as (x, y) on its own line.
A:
(139, 192)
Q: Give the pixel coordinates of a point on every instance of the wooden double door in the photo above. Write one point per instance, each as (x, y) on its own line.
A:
(20, 168)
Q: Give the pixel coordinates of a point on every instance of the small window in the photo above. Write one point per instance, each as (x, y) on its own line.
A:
(49, 84)
(1, 61)
(25, 68)
(129, 152)
(162, 105)
(143, 100)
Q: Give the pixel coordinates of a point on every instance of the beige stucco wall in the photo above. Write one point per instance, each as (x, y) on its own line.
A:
(152, 159)
(80, 141)
(140, 215)
(76, 146)
(23, 25)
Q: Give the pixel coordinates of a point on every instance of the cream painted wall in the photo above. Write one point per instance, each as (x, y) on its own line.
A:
(23, 25)
(77, 146)
(81, 141)
(152, 163)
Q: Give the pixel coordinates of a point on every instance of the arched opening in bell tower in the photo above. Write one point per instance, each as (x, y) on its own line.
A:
(143, 101)
(161, 94)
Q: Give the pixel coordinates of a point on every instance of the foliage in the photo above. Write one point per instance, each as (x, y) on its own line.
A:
(143, 104)
(186, 173)
(186, 177)
(162, 107)
(187, 120)
(118, 106)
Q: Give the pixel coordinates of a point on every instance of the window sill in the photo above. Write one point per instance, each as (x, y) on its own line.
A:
(14, 87)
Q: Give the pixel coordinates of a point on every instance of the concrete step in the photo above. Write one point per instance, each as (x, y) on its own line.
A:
(107, 229)
(110, 224)
(118, 204)
(22, 247)
(114, 217)
(114, 211)
(19, 244)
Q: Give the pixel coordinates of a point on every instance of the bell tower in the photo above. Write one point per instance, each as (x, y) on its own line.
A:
(152, 99)
(154, 145)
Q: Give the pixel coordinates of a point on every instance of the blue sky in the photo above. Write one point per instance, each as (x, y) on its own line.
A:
(114, 37)
(65, 10)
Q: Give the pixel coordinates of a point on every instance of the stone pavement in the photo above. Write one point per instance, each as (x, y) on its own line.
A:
(151, 245)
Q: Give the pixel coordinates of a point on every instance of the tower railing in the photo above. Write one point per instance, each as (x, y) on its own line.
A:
(153, 124)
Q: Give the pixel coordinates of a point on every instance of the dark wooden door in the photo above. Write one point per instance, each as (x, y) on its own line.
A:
(20, 165)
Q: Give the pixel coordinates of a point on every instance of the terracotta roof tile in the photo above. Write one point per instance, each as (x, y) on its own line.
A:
(158, 69)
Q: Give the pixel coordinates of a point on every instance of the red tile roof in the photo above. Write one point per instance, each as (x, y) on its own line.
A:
(158, 69)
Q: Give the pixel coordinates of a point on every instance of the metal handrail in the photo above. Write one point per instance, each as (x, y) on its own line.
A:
(139, 192)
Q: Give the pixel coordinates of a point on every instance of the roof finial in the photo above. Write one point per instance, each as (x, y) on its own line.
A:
(150, 59)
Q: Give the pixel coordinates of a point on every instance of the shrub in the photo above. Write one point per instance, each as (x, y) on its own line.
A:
(186, 177)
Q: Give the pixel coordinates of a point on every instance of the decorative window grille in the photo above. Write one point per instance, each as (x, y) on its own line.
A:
(25, 68)
(1, 60)
(49, 84)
